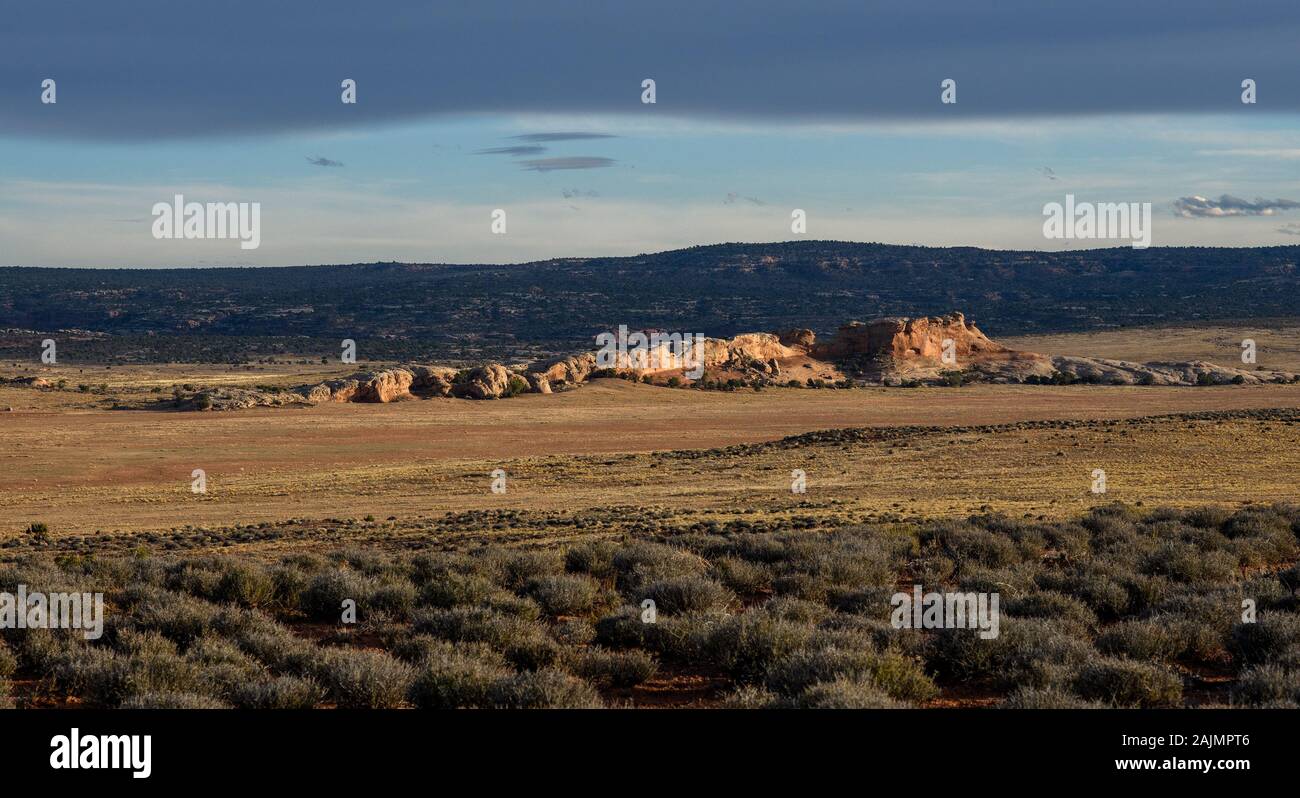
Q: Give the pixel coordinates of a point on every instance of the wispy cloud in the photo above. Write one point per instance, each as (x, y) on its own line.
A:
(733, 198)
(1290, 228)
(517, 151)
(568, 136)
(320, 160)
(1228, 205)
(571, 162)
(1279, 153)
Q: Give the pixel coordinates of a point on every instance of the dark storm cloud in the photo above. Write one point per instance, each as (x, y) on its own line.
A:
(160, 69)
(1228, 205)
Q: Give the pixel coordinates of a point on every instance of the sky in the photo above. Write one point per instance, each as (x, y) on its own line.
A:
(535, 108)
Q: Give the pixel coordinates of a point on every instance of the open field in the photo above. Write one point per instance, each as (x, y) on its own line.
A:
(90, 471)
(1277, 344)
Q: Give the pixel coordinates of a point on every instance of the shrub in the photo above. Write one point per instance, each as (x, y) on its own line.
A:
(1127, 683)
(173, 701)
(449, 679)
(890, 673)
(595, 558)
(1053, 606)
(1150, 640)
(847, 693)
(363, 679)
(614, 668)
(245, 584)
(1271, 635)
(280, 692)
(544, 689)
(323, 599)
(8, 662)
(564, 594)
(742, 576)
(623, 629)
(1046, 698)
(687, 594)
(642, 563)
(747, 644)
(1033, 652)
(1267, 684)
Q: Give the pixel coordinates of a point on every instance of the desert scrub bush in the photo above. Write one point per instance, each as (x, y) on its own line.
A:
(154, 700)
(890, 673)
(323, 598)
(1183, 562)
(8, 661)
(393, 599)
(606, 668)
(641, 563)
(179, 617)
(840, 559)
(684, 638)
(1096, 588)
(847, 693)
(794, 609)
(1272, 634)
(1046, 698)
(474, 624)
(279, 650)
(544, 689)
(458, 590)
(1127, 683)
(742, 576)
(686, 595)
(1027, 651)
(449, 678)
(1262, 685)
(245, 584)
(564, 594)
(524, 644)
(748, 696)
(1066, 610)
(964, 543)
(363, 679)
(1151, 640)
(416, 648)
(514, 569)
(279, 692)
(574, 632)
(623, 629)
(595, 558)
(746, 645)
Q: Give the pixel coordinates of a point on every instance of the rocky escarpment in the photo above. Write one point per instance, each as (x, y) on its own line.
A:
(947, 349)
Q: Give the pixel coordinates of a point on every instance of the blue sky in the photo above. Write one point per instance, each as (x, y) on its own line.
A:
(829, 107)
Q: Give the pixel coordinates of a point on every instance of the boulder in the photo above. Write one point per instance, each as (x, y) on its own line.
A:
(485, 382)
